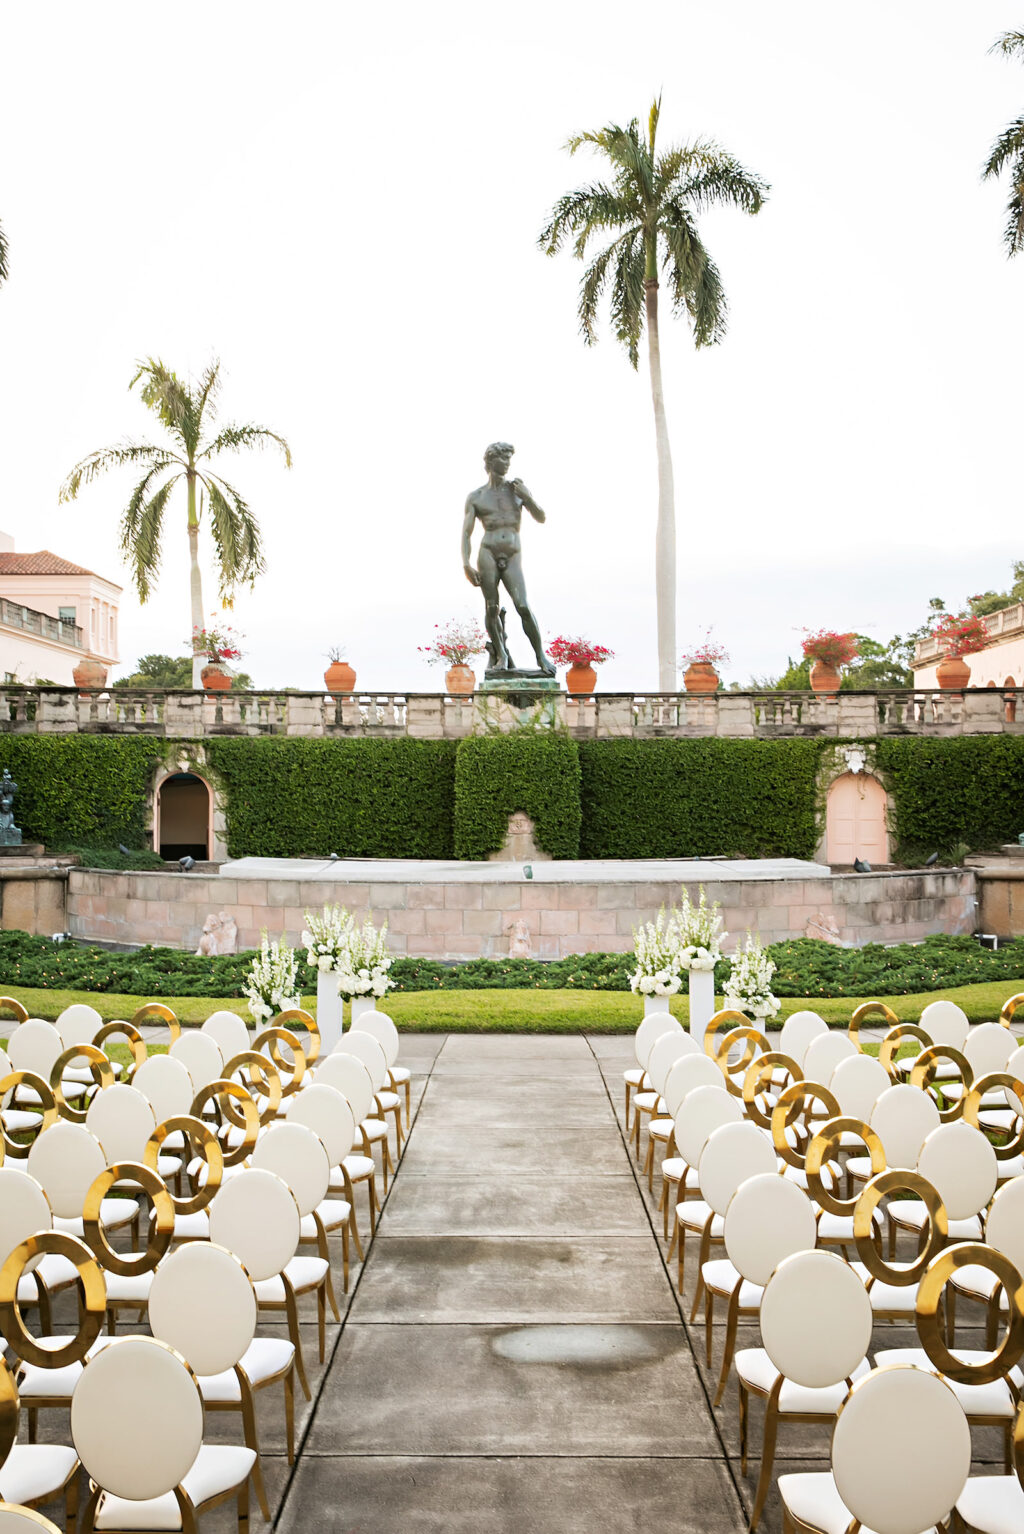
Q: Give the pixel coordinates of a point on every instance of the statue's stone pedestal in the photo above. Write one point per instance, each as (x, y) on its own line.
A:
(21, 849)
(506, 699)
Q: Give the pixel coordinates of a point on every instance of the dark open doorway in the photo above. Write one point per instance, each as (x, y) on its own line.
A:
(184, 817)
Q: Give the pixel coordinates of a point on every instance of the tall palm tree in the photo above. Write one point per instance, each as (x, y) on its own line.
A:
(186, 411)
(1008, 149)
(651, 205)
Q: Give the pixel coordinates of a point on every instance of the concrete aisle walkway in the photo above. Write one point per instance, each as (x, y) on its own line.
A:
(513, 1358)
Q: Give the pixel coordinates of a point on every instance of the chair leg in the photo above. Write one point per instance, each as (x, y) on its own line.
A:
(771, 1425)
(329, 1286)
(71, 1505)
(408, 1105)
(243, 1507)
(744, 1420)
(709, 1321)
(296, 1340)
(289, 1412)
(344, 1257)
(321, 1315)
(705, 1251)
(649, 1165)
(252, 1442)
(731, 1322)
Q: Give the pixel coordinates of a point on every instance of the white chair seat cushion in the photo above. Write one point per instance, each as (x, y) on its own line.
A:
(55, 1271)
(84, 1074)
(34, 1471)
(757, 1372)
(993, 1503)
(886, 1297)
(192, 1227)
(839, 1227)
(357, 1167)
(720, 1276)
(114, 1212)
(388, 1101)
(675, 1169)
(913, 1213)
(633, 1076)
(660, 1129)
(694, 1215)
(333, 1212)
(130, 1288)
(974, 1279)
(73, 1090)
(264, 1358)
(401, 1074)
(645, 1102)
(17, 1120)
(812, 1499)
(993, 1400)
(303, 1272)
(374, 1129)
(217, 1468)
(58, 1384)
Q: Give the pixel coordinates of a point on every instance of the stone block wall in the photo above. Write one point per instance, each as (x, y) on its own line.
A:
(470, 920)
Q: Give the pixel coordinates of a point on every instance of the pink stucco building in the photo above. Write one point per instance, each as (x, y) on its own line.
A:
(1000, 664)
(52, 615)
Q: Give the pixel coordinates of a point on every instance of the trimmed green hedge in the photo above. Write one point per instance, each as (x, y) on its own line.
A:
(358, 798)
(966, 789)
(498, 775)
(81, 790)
(696, 798)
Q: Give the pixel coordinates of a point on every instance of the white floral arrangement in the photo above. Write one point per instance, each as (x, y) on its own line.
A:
(700, 933)
(326, 938)
(657, 948)
(272, 982)
(367, 961)
(749, 986)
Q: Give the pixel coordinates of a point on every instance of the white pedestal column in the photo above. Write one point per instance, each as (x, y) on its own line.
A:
(361, 1004)
(328, 1010)
(702, 1002)
(655, 1004)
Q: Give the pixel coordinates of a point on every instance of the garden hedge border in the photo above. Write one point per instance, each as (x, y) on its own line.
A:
(498, 775)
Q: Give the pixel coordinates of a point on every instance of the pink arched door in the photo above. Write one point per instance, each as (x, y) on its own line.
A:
(855, 820)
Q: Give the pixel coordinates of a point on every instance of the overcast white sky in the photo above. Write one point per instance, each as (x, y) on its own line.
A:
(342, 203)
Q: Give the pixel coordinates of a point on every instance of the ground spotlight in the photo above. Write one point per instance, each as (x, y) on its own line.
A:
(186, 864)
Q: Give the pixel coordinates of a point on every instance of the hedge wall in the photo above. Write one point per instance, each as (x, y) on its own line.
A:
(81, 789)
(358, 798)
(497, 775)
(695, 798)
(964, 789)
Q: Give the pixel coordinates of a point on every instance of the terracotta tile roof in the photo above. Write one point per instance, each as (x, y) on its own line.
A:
(42, 563)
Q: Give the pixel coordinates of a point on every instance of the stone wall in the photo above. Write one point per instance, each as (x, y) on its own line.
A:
(461, 920)
(32, 898)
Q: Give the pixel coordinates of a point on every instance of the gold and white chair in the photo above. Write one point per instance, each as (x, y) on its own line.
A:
(655, 1024)
(386, 1100)
(798, 1033)
(203, 1305)
(66, 1160)
(678, 1178)
(733, 1153)
(705, 1110)
(670, 1048)
(901, 1453)
(350, 1077)
(816, 1331)
(201, 1056)
(151, 1474)
(960, 1163)
(383, 1029)
(323, 1110)
(297, 1155)
(903, 1117)
(229, 1032)
(31, 1474)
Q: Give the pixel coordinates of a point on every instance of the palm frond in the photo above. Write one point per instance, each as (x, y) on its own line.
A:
(1013, 233)
(597, 206)
(209, 388)
(113, 458)
(627, 153)
(694, 280)
(719, 180)
(234, 438)
(141, 525)
(3, 255)
(236, 535)
(652, 124)
(164, 393)
(627, 304)
(1007, 146)
(593, 285)
(1008, 44)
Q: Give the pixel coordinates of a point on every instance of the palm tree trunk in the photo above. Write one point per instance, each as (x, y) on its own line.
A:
(195, 577)
(665, 543)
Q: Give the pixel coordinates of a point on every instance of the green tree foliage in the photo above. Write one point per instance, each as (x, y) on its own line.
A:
(649, 212)
(359, 798)
(173, 672)
(699, 798)
(186, 411)
(1007, 154)
(499, 775)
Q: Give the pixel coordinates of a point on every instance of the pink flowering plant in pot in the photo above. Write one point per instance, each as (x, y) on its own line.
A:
(219, 644)
(828, 651)
(960, 635)
(700, 665)
(454, 645)
(579, 656)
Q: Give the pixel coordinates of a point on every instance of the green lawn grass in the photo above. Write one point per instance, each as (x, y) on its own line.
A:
(527, 1011)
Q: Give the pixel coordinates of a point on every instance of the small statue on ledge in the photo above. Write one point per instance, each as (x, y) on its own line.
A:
(10, 835)
(499, 507)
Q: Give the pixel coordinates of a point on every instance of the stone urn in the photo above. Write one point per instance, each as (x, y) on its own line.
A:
(824, 679)
(339, 677)
(460, 680)
(215, 678)
(953, 673)
(580, 680)
(701, 676)
(90, 675)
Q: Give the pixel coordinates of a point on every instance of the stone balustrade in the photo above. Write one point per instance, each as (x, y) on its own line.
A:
(1005, 623)
(762, 715)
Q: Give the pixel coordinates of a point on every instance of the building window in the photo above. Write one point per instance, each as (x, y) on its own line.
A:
(68, 614)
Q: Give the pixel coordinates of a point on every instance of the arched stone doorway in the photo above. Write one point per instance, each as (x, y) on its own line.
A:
(1010, 708)
(855, 821)
(184, 813)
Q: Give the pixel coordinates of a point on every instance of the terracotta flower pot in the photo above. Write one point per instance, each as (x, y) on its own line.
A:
(460, 680)
(952, 673)
(339, 677)
(701, 676)
(580, 680)
(215, 678)
(824, 679)
(90, 675)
